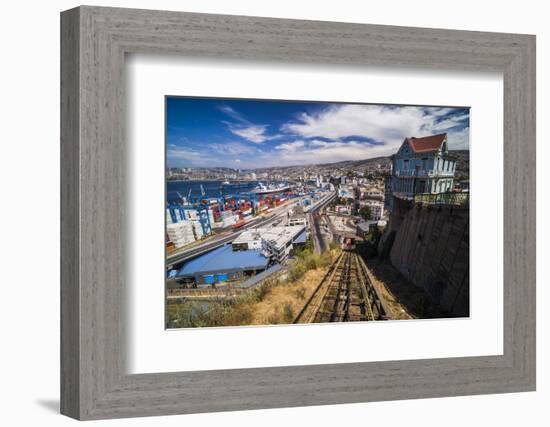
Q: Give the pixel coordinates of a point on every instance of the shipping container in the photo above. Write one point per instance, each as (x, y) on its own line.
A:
(224, 277)
(208, 279)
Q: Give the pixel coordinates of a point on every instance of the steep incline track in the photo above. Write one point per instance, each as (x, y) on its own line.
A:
(344, 295)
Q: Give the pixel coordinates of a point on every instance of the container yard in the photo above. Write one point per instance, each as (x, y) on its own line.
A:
(215, 241)
(191, 219)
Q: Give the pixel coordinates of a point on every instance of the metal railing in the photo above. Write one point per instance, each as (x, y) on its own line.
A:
(422, 173)
(460, 199)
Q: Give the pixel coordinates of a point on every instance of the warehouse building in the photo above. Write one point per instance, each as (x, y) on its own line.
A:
(248, 240)
(222, 265)
(275, 242)
(297, 220)
(278, 241)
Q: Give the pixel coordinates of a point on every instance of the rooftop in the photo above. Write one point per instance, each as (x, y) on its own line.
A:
(302, 237)
(248, 236)
(427, 143)
(224, 259)
(279, 236)
(364, 226)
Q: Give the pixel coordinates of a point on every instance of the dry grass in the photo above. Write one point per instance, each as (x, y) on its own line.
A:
(283, 303)
(277, 300)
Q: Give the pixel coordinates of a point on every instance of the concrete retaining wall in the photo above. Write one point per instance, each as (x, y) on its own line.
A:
(431, 249)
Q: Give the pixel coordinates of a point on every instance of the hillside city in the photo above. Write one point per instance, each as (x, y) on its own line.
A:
(369, 168)
(341, 241)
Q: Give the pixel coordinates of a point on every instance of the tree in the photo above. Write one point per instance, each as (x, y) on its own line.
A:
(365, 213)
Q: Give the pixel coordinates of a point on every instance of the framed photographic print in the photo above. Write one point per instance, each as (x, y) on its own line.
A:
(282, 213)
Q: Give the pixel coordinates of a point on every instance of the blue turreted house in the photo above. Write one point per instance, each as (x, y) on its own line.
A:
(422, 165)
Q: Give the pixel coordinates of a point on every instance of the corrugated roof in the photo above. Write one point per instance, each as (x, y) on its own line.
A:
(427, 143)
(259, 277)
(301, 238)
(224, 259)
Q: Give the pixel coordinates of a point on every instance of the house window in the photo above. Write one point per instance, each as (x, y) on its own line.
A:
(406, 164)
(424, 163)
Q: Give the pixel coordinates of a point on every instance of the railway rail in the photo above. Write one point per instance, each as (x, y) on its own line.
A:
(345, 294)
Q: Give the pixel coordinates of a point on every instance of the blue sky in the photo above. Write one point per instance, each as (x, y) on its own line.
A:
(247, 134)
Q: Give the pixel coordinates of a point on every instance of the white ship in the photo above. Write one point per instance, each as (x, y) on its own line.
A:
(269, 189)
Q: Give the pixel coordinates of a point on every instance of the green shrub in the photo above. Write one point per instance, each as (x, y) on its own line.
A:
(297, 271)
(311, 262)
(325, 260)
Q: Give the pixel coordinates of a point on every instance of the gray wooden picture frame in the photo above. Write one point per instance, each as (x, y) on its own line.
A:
(94, 41)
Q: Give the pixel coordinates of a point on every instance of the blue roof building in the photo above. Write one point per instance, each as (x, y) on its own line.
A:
(222, 264)
(301, 238)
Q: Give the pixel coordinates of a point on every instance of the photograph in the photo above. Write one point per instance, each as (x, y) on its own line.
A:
(285, 212)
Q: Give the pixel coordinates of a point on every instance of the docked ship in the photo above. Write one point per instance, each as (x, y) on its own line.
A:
(262, 189)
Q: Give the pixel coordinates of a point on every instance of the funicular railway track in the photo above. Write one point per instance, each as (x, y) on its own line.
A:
(345, 294)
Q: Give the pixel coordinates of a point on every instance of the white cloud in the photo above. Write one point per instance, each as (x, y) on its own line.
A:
(252, 133)
(226, 109)
(318, 151)
(333, 134)
(303, 152)
(387, 125)
(291, 147)
(247, 130)
(380, 123)
(459, 140)
(180, 156)
(450, 123)
(440, 111)
(232, 148)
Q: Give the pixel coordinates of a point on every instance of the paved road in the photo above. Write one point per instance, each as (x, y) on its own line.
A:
(319, 244)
